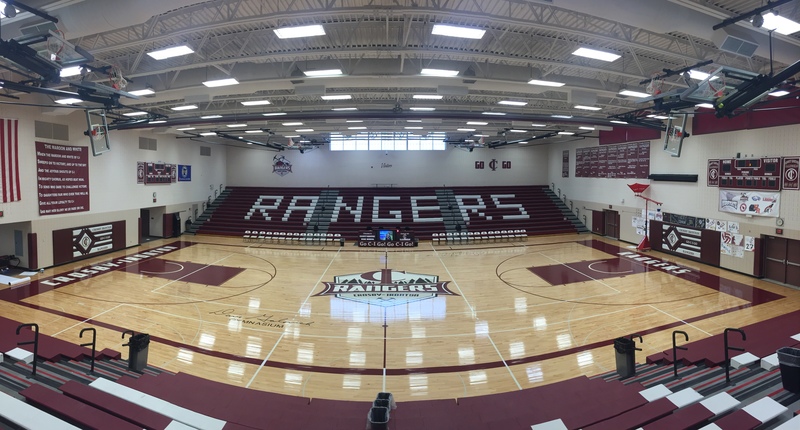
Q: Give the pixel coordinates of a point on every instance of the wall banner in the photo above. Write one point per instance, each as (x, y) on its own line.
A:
(756, 203)
(184, 173)
(62, 174)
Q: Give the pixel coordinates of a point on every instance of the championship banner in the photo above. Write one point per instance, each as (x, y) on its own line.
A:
(756, 203)
(184, 173)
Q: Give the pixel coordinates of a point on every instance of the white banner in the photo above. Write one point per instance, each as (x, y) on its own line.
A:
(757, 203)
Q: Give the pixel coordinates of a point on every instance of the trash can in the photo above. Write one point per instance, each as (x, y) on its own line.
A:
(138, 347)
(789, 361)
(625, 351)
(378, 418)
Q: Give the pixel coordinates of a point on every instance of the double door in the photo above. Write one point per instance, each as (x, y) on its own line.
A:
(782, 260)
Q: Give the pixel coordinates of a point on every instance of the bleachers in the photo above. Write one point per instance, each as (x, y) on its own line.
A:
(289, 215)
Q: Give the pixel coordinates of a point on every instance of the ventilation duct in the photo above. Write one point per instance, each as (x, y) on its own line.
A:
(728, 39)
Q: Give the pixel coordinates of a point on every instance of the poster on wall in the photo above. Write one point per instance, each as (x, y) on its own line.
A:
(62, 174)
(565, 164)
(681, 240)
(184, 173)
(749, 243)
(791, 173)
(140, 172)
(756, 203)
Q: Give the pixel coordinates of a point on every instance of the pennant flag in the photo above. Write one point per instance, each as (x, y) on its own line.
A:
(9, 160)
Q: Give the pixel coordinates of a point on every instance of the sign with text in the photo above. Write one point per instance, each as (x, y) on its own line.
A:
(565, 164)
(713, 173)
(62, 173)
(791, 173)
(627, 160)
(184, 173)
(749, 202)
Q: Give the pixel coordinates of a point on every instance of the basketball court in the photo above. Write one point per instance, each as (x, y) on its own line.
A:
(425, 323)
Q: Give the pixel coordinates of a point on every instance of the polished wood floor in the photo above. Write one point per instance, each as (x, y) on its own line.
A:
(431, 322)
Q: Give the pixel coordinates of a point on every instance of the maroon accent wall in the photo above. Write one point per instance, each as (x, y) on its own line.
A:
(599, 223)
(33, 252)
(656, 235)
(628, 134)
(709, 247)
(758, 251)
(782, 112)
(65, 243)
(139, 236)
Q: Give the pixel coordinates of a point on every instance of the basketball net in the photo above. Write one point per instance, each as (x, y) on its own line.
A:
(55, 45)
(115, 78)
(654, 86)
(98, 130)
(638, 189)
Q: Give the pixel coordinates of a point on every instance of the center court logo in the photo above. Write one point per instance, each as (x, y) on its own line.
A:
(386, 287)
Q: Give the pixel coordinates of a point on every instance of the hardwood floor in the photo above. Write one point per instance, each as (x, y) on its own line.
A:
(423, 323)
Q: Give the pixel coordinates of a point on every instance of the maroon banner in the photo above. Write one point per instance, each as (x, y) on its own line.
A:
(713, 173)
(62, 173)
(644, 160)
(791, 173)
(630, 160)
(565, 164)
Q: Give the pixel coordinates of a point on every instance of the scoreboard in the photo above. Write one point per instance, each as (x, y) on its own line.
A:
(746, 173)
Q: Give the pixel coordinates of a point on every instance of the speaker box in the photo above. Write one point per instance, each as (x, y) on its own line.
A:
(673, 177)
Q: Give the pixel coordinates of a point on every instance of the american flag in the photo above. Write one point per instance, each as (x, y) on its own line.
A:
(9, 160)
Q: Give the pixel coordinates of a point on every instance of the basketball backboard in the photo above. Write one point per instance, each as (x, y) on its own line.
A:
(719, 83)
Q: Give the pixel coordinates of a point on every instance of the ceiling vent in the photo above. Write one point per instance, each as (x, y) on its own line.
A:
(37, 29)
(735, 42)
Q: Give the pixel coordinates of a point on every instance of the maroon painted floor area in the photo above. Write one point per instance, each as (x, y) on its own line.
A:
(582, 271)
(185, 271)
(633, 262)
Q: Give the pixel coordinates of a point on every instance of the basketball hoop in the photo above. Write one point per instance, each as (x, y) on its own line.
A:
(98, 130)
(638, 189)
(55, 45)
(654, 86)
(115, 78)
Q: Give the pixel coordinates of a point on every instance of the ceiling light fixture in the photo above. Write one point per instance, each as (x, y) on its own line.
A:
(236, 125)
(221, 82)
(477, 123)
(139, 113)
(211, 117)
(344, 109)
(161, 121)
(273, 114)
(455, 31)
(514, 130)
(538, 125)
(465, 129)
(356, 128)
(354, 120)
(254, 131)
(322, 73)
(705, 105)
(422, 109)
(614, 121)
(208, 133)
(587, 107)
(184, 107)
(255, 102)
(70, 71)
(546, 83)
(566, 133)
(413, 128)
(596, 54)
(337, 97)
(630, 93)
(780, 24)
(493, 113)
(175, 51)
(299, 31)
(779, 93)
(68, 101)
(439, 72)
(291, 124)
(427, 97)
(304, 130)
(144, 92)
(586, 128)
(512, 103)
(413, 120)
(185, 129)
(561, 116)
(699, 76)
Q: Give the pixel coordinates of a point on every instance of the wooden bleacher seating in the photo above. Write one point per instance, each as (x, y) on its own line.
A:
(28, 416)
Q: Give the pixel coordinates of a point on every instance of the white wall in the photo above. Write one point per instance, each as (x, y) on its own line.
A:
(452, 167)
(694, 199)
(114, 193)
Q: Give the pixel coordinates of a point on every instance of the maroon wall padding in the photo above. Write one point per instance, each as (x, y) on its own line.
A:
(33, 252)
(709, 247)
(656, 235)
(628, 134)
(166, 230)
(63, 242)
(783, 112)
(599, 223)
(139, 240)
(758, 256)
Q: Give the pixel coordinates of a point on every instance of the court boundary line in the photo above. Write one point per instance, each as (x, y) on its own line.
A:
(475, 318)
(302, 305)
(681, 320)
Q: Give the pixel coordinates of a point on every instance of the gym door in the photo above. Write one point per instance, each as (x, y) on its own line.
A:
(782, 260)
(612, 223)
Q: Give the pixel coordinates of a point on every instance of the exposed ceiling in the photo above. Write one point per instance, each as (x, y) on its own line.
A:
(381, 46)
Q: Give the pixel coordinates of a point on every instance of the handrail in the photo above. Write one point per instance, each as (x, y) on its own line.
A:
(132, 333)
(640, 340)
(727, 357)
(35, 343)
(93, 343)
(675, 349)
